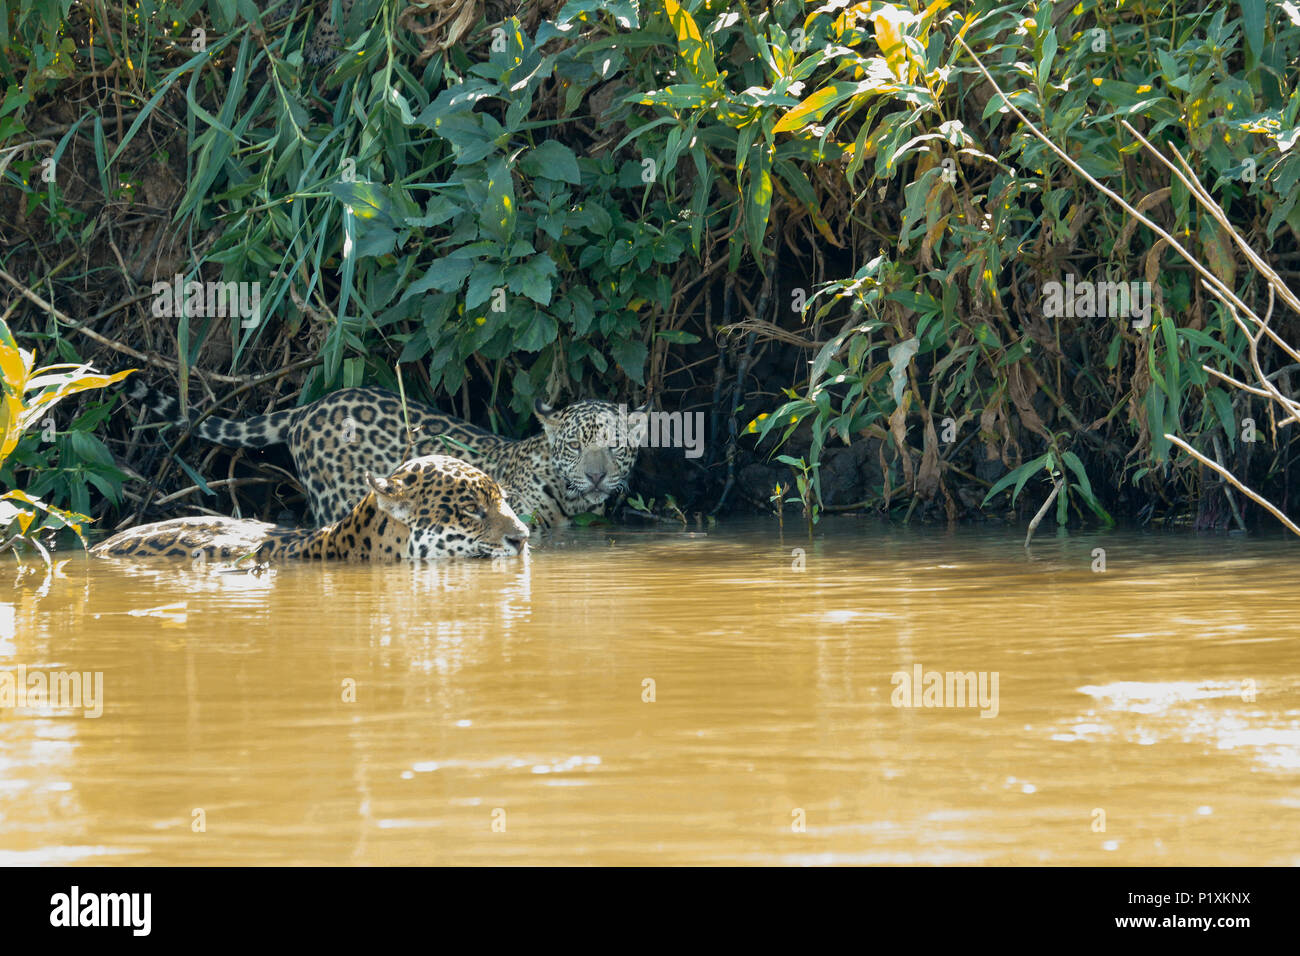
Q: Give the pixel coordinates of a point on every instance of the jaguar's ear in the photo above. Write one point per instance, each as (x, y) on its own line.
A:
(393, 498)
(547, 415)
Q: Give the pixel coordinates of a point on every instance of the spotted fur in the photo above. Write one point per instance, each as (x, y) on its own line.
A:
(569, 468)
(326, 40)
(431, 507)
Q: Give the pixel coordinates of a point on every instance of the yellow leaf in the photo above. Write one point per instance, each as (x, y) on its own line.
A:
(889, 37)
(10, 417)
(15, 363)
(86, 382)
(813, 106)
(691, 46)
(928, 14)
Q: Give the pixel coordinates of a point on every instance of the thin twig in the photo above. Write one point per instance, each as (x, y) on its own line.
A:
(219, 483)
(67, 320)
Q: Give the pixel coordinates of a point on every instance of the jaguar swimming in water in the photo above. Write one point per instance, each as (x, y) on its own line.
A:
(431, 507)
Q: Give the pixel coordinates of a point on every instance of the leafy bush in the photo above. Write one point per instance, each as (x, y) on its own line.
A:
(29, 395)
(951, 324)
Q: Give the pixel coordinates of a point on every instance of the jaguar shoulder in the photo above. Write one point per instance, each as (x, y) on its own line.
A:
(430, 507)
(578, 460)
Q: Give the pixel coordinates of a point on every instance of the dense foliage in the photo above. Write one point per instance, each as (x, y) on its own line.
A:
(817, 220)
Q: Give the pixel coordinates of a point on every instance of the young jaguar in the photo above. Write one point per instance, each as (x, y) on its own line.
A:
(571, 467)
(431, 507)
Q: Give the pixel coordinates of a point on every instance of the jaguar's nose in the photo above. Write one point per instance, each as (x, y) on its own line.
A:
(515, 542)
(595, 477)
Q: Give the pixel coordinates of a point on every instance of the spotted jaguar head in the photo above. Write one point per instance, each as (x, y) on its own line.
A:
(592, 449)
(450, 508)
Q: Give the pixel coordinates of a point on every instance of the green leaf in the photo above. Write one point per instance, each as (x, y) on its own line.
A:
(194, 476)
(688, 96)
(483, 281)
(445, 275)
(1253, 19)
(499, 213)
(1223, 407)
(758, 197)
(1018, 477)
(539, 333)
(1044, 72)
(815, 106)
(90, 449)
(533, 278)
(630, 354)
(438, 211)
(553, 160)
(1084, 486)
(367, 201)
(378, 241)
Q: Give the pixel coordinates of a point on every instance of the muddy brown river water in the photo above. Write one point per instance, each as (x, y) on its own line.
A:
(621, 696)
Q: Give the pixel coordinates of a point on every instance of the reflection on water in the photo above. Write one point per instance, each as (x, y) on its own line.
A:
(621, 696)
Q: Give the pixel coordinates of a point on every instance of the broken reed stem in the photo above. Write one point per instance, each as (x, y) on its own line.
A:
(1033, 525)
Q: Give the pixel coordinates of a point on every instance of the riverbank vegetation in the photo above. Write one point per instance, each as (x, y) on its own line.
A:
(868, 238)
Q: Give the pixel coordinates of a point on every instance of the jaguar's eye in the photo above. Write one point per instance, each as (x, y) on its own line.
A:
(478, 514)
(574, 445)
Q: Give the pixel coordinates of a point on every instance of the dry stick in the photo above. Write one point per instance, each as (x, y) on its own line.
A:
(18, 299)
(1290, 407)
(1258, 499)
(1250, 388)
(1218, 289)
(1033, 525)
(244, 384)
(284, 477)
(1241, 385)
(1275, 283)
